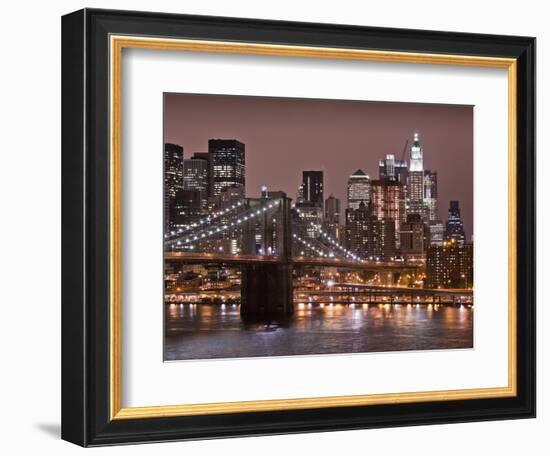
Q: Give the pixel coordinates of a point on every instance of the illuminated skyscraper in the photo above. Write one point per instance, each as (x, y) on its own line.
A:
(332, 216)
(358, 189)
(310, 202)
(227, 165)
(173, 176)
(312, 187)
(454, 228)
(415, 186)
(195, 177)
(430, 195)
(390, 168)
(388, 202)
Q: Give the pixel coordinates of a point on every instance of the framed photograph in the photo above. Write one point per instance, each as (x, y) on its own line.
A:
(278, 227)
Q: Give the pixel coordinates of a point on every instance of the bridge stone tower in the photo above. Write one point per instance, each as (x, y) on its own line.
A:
(266, 288)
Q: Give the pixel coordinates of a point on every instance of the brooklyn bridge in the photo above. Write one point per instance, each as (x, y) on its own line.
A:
(269, 238)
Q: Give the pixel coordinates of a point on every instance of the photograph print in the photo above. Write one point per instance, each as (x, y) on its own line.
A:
(298, 226)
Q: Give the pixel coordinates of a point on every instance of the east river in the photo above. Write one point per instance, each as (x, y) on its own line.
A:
(206, 331)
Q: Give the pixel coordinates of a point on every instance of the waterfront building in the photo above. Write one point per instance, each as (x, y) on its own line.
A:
(454, 228)
(227, 165)
(449, 265)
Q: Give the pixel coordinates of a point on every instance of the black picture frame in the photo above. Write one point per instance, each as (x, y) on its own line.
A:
(85, 225)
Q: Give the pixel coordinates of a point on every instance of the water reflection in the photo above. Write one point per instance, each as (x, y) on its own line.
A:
(203, 331)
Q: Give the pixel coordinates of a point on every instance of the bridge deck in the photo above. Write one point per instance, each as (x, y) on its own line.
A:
(189, 257)
(361, 289)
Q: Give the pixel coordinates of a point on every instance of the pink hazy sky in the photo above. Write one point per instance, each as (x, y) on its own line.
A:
(284, 136)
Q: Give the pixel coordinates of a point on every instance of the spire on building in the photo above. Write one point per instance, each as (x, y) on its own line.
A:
(416, 155)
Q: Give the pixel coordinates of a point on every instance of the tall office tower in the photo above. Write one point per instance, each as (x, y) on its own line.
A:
(204, 156)
(195, 177)
(390, 168)
(358, 189)
(430, 195)
(332, 209)
(332, 216)
(173, 177)
(358, 226)
(413, 237)
(454, 228)
(227, 165)
(388, 202)
(312, 182)
(415, 187)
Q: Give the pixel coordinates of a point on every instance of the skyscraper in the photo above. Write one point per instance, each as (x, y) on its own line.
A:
(358, 228)
(415, 188)
(227, 165)
(173, 176)
(390, 168)
(185, 208)
(195, 177)
(332, 209)
(358, 189)
(454, 228)
(388, 202)
(430, 194)
(312, 187)
(332, 216)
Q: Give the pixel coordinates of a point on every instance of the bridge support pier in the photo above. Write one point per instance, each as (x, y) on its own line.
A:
(266, 290)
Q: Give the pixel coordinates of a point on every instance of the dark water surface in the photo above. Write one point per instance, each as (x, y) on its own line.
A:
(204, 331)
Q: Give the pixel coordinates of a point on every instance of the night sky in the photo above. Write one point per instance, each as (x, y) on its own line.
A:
(284, 136)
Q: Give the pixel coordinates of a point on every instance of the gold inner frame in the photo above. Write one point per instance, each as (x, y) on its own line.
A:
(117, 44)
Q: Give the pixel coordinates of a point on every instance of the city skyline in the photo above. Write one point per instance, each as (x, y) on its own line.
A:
(273, 228)
(185, 120)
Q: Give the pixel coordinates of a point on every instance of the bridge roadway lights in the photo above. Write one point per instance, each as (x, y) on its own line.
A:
(266, 291)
